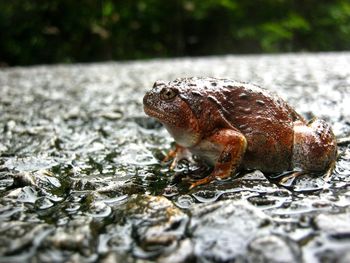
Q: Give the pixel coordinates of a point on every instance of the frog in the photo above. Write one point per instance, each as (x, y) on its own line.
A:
(234, 126)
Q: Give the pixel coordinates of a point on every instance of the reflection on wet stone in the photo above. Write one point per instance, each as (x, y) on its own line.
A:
(274, 248)
(81, 177)
(150, 226)
(222, 231)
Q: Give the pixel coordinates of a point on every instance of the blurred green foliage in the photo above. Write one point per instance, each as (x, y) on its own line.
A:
(34, 31)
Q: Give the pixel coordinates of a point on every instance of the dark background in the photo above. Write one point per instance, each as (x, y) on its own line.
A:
(37, 32)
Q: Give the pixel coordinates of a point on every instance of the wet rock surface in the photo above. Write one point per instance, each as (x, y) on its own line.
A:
(81, 178)
(241, 220)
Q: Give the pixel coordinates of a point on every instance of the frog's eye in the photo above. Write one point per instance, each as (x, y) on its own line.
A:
(167, 94)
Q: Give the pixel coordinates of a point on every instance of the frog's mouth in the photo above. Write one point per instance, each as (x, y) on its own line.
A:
(153, 113)
(163, 117)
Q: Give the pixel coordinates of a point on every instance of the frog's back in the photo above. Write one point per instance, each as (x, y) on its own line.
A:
(264, 118)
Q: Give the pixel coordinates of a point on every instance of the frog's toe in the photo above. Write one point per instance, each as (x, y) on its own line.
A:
(328, 174)
(291, 176)
(170, 155)
(173, 164)
(204, 180)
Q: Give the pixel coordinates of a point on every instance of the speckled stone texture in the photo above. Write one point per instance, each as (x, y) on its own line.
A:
(81, 178)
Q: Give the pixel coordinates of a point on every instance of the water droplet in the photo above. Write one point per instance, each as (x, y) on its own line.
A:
(196, 93)
(43, 203)
(207, 196)
(112, 115)
(260, 102)
(27, 195)
(114, 200)
(100, 210)
(243, 96)
(184, 201)
(7, 212)
(72, 208)
(245, 109)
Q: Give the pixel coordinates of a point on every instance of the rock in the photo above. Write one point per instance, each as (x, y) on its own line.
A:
(336, 254)
(323, 248)
(336, 225)
(273, 248)
(147, 225)
(77, 236)
(114, 257)
(221, 232)
(183, 253)
(17, 237)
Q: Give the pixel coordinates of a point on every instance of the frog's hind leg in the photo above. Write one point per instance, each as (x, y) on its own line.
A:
(314, 147)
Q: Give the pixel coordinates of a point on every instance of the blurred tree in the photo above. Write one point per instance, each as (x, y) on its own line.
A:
(58, 31)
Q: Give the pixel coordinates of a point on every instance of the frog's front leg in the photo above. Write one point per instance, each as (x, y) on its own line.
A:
(177, 155)
(225, 148)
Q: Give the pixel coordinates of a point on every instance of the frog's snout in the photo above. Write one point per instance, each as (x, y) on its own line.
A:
(148, 98)
(145, 98)
(151, 101)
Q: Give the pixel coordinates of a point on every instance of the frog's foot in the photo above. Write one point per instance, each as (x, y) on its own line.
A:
(233, 145)
(291, 176)
(205, 180)
(221, 171)
(178, 154)
(328, 174)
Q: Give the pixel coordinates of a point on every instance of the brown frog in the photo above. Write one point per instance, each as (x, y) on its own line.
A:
(234, 126)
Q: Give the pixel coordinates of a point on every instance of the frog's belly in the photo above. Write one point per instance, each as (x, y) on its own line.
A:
(207, 151)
